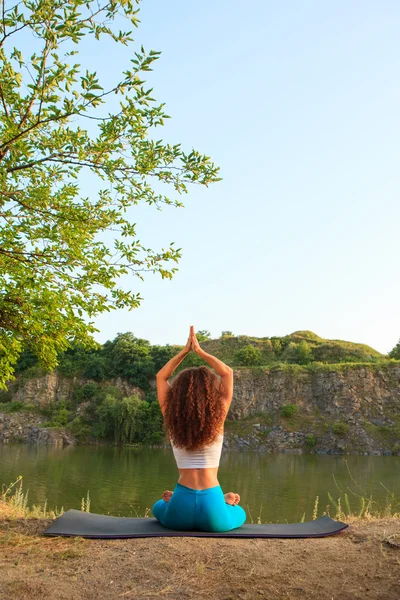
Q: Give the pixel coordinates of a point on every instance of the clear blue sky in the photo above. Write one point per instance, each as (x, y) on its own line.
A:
(299, 104)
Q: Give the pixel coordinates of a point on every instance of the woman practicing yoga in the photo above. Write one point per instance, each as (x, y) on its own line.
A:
(194, 408)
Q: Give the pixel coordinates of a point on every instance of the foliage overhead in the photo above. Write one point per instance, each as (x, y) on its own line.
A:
(56, 271)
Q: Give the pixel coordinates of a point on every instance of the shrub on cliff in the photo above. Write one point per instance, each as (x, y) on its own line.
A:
(289, 410)
(249, 356)
(79, 429)
(395, 353)
(311, 441)
(340, 428)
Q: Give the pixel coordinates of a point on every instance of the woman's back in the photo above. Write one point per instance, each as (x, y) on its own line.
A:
(202, 458)
(199, 469)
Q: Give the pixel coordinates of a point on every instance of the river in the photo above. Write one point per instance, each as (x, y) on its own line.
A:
(124, 481)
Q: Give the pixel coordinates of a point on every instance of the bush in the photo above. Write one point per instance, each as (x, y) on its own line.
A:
(151, 397)
(48, 409)
(304, 353)
(5, 397)
(16, 406)
(276, 345)
(86, 392)
(79, 429)
(310, 440)
(288, 410)
(395, 353)
(340, 428)
(249, 356)
(59, 417)
(96, 368)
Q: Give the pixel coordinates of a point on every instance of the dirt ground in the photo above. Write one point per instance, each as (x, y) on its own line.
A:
(361, 562)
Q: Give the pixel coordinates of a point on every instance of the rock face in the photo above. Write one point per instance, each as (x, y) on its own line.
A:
(349, 395)
(53, 388)
(43, 391)
(25, 427)
(366, 401)
(357, 397)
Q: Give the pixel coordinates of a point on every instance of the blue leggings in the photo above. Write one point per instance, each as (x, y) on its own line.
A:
(202, 510)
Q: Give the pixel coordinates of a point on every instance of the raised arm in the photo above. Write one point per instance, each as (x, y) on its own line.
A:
(169, 368)
(221, 368)
(225, 372)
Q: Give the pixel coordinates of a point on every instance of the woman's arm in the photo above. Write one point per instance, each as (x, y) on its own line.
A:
(221, 368)
(169, 368)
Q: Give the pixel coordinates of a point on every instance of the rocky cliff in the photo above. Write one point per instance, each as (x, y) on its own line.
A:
(349, 408)
(350, 392)
(52, 388)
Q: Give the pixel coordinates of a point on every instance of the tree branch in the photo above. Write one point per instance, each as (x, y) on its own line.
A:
(39, 77)
(14, 31)
(3, 99)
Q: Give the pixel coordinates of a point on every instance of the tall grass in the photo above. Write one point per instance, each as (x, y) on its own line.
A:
(14, 504)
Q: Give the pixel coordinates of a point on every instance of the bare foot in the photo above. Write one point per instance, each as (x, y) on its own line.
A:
(167, 495)
(232, 498)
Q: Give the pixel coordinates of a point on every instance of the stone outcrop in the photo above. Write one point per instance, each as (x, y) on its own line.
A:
(53, 387)
(347, 394)
(26, 427)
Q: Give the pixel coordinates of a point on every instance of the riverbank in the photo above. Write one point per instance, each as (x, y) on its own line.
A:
(361, 562)
(297, 434)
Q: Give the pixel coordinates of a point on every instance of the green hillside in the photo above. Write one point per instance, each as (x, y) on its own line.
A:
(138, 361)
(299, 347)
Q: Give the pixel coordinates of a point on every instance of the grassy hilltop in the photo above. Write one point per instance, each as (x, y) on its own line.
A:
(299, 347)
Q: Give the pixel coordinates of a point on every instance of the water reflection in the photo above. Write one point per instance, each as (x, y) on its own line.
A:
(125, 481)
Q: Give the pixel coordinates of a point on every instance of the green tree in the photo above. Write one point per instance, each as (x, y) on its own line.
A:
(128, 420)
(203, 335)
(56, 272)
(276, 345)
(249, 356)
(226, 334)
(104, 426)
(149, 424)
(125, 419)
(161, 355)
(290, 352)
(395, 353)
(131, 359)
(304, 353)
(96, 367)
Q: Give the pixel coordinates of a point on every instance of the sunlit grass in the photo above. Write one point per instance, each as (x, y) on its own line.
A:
(14, 504)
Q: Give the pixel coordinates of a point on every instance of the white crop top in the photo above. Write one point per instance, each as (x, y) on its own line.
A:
(206, 457)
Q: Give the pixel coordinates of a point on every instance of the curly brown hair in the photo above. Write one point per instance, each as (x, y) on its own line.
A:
(194, 410)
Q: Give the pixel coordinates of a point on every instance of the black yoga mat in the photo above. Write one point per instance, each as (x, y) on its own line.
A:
(90, 525)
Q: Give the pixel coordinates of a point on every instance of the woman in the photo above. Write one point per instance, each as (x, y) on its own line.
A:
(194, 408)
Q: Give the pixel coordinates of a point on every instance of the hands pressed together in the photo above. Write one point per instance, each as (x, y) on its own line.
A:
(192, 343)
